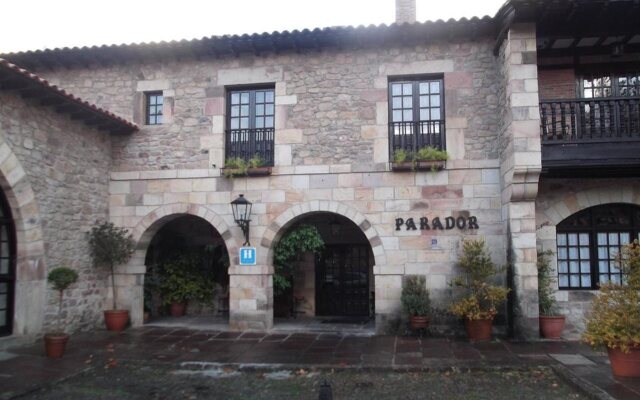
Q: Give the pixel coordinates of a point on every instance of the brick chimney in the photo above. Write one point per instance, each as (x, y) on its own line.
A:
(405, 11)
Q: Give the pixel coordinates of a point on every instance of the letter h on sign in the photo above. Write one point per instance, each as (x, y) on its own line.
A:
(247, 256)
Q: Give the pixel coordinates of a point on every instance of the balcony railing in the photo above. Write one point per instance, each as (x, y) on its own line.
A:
(611, 119)
(412, 136)
(247, 143)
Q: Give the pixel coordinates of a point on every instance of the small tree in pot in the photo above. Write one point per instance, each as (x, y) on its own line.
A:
(182, 280)
(111, 246)
(479, 306)
(551, 322)
(614, 321)
(55, 342)
(416, 302)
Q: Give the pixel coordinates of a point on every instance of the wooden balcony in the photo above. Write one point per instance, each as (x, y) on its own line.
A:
(591, 137)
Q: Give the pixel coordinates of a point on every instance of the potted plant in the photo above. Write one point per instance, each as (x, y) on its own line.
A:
(614, 320)
(479, 306)
(430, 158)
(111, 246)
(183, 280)
(258, 167)
(551, 322)
(55, 342)
(402, 160)
(415, 301)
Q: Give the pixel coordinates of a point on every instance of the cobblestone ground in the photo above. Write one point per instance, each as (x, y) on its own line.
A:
(193, 381)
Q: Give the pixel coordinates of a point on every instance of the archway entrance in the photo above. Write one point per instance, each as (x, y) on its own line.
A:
(7, 267)
(333, 286)
(187, 248)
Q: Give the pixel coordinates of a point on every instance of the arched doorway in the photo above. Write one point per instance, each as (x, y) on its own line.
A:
(7, 266)
(187, 241)
(335, 284)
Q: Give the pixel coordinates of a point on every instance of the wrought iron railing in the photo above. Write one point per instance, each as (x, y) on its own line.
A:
(590, 120)
(412, 136)
(247, 143)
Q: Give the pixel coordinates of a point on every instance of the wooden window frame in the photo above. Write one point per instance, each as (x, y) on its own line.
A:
(148, 115)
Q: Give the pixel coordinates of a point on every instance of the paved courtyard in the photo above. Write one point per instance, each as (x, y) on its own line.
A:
(25, 369)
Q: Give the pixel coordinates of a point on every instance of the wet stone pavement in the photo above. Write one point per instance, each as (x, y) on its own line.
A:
(26, 368)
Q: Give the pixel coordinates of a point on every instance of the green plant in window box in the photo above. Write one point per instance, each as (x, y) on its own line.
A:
(614, 320)
(403, 160)
(480, 305)
(235, 166)
(431, 158)
(551, 321)
(258, 167)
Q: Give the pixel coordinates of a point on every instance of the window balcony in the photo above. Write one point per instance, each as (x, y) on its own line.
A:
(414, 135)
(249, 143)
(591, 136)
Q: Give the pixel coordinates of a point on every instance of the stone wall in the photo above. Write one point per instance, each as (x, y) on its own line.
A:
(331, 155)
(331, 105)
(561, 198)
(66, 164)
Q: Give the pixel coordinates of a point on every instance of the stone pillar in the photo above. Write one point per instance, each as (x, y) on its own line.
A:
(130, 290)
(250, 297)
(520, 170)
(405, 11)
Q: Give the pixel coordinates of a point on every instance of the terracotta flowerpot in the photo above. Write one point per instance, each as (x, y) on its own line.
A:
(625, 364)
(178, 309)
(54, 344)
(430, 165)
(478, 329)
(418, 322)
(116, 320)
(259, 171)
(551, 326)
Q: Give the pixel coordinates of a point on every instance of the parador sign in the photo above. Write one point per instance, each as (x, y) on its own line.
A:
(449, 223)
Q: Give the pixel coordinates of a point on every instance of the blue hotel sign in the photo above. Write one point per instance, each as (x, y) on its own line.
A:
(247, 256)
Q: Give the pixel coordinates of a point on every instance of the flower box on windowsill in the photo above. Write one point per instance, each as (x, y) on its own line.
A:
(430, 165)
(252, 171)
(402, 166)
(422, 165)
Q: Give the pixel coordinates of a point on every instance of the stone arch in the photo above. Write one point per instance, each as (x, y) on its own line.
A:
(279, 226)
(131, 276)
(150, 224)
(30, 284)
(570, 203)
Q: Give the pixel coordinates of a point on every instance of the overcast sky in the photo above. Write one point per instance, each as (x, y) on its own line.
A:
(39, 24)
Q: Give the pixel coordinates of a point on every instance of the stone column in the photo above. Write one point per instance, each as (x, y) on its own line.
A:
(520, 170)
(130, 289)
(250, 297)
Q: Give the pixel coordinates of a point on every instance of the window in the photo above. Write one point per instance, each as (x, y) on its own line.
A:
(250, 124)
(153, 109)
(416, 114)
(589, 241)
(605, 84)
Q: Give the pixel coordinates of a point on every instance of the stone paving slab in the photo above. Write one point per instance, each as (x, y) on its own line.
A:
(25, 368)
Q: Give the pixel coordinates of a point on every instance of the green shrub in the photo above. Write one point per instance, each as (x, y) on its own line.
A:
(61, 278)
(183, 278)
(402, 155)
(614, 320)
(415, 296)
(235, 166)
(546, 285)
(482, 297)
(110, 246)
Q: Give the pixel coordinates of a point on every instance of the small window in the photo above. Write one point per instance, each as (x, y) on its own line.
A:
(153, 109)
(250, 124)
(416, 114)
(589, 241)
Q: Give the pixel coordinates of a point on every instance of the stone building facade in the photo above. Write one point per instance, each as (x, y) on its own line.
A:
(332, 115)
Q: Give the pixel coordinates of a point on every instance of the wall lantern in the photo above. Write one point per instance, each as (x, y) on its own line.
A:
(241, 208)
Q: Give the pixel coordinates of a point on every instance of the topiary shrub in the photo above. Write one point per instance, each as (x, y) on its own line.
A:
(60, 279)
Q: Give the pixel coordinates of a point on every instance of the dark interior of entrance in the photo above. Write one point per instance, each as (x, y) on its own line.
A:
(335, 282)
(188, 235)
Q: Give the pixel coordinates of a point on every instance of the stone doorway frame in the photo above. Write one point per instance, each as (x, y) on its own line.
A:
(285, 220)
(130, 277)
